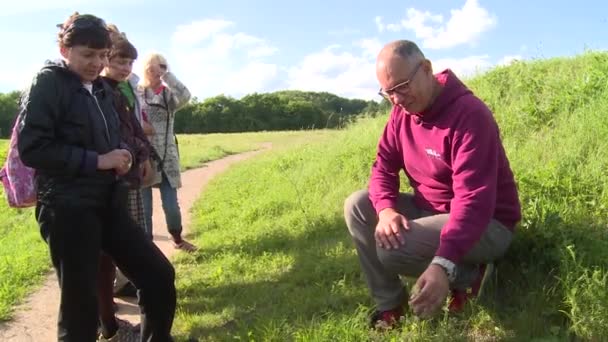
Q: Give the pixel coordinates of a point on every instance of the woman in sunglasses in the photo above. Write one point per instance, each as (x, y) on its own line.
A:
(162, 95)
(70, 134)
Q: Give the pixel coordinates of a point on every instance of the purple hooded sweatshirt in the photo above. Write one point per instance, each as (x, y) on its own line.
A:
(455, 162)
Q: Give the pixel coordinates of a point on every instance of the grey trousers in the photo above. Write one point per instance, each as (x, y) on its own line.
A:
(382, 267)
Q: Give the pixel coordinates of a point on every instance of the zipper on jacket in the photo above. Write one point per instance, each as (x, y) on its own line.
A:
(103, 116)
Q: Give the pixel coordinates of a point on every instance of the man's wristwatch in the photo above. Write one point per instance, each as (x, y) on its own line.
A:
(448, 266)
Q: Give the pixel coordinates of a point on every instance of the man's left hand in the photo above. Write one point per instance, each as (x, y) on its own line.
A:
(433, 288)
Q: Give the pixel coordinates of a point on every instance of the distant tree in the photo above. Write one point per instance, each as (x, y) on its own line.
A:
(8, 111)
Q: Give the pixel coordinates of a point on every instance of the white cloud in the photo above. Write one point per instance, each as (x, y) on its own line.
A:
(371, 47)
(337, 71)
(198, 31)
(464, 26)
(253, 77)
(379, 24)
(212, 59)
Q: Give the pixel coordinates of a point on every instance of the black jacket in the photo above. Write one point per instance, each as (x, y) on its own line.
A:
(63, 129)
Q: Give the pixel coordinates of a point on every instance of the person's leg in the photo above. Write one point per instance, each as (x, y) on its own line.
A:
(385, 286)
(171, 208)
(173, 215)
(148, 269)
(146, 194)
(135, 205)
(107, 318)
(74, 238)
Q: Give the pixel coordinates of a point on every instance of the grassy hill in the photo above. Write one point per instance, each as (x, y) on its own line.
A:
(276, 261)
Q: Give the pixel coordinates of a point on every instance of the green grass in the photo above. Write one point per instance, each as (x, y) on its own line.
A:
(24, 259)
(276, 262)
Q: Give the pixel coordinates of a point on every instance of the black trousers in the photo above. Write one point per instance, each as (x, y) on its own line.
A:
(76, 235)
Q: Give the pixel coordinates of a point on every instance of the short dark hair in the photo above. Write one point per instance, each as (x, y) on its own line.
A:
(121, 47)
(84, 29)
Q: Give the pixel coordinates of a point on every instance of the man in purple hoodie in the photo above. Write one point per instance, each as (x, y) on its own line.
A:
(464, 207)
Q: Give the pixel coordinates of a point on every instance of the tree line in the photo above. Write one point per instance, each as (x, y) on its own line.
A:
(277, 111)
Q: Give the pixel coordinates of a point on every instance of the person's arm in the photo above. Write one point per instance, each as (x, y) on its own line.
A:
(475, 152)
(145, 124)
(38, 146)
(180, 95)
(384, 180)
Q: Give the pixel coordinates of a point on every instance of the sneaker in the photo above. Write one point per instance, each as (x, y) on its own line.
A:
(126, 333)
(184, 245)
(388, 319)
(129, 290)
(461, 297)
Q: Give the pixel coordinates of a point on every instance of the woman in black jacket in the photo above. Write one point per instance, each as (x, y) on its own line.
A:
(70, 134)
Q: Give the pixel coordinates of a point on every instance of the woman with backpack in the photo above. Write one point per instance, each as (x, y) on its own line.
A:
(70, 134)
(162, 95)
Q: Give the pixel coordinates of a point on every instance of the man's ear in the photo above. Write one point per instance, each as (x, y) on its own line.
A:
(427, 66)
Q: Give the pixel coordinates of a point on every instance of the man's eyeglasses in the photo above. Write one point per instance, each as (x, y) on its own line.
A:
(401, 88)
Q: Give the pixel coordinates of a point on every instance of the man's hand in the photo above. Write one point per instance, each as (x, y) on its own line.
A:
(388, 230)
(119, 160)
(433, 288)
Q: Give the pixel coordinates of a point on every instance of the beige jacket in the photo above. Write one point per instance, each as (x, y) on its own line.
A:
(157, 107)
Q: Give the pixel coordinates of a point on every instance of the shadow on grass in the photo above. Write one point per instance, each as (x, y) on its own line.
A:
(314, 285)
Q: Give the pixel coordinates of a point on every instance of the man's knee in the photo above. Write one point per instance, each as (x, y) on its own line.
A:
(358, 206)
(401, 261)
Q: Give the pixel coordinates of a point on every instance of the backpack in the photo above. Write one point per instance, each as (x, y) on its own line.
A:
(17, 179)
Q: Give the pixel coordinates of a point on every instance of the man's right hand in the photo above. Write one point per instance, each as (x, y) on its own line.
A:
(118, 160)
(388, 230)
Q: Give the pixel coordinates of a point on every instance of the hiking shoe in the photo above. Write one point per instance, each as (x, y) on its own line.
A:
(461, 297)
(128, 290)
(386, 320)
(184, 245)
(126, 333)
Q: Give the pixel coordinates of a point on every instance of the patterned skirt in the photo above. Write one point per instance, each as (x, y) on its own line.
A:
(136, 208)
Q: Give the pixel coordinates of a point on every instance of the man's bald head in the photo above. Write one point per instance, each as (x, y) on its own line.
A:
(403, 49)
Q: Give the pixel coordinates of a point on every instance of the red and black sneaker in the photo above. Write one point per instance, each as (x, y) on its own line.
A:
(461, 297)
(388, 319)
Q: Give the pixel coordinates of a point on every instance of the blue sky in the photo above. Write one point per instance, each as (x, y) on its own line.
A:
(236, 47)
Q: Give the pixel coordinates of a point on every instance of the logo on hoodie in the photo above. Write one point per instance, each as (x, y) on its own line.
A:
(432, 153)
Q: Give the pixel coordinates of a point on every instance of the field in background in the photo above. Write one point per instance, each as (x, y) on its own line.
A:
(196, 149)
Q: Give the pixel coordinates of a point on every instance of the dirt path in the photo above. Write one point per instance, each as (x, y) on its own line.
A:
(36, 319)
